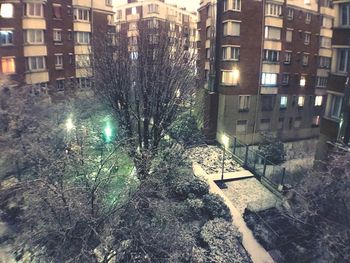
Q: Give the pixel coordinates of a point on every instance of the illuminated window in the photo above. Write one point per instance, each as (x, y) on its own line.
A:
(134, 10)
(302, 82)
(283, 102)
(6, 10)
(315, 121)
(271, 55)
(269, 79)
(8, 65)
(6, 37)
(318, 100)
(301, 101)
(230, 77)
(326, 42)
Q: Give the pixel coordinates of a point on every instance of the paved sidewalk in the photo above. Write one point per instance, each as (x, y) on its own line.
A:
(257, 253)
(231, 176)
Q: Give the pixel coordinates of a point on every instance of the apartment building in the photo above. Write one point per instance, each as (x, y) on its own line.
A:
(156, 14)
(46, 44)
(335, 124)
(264, 66)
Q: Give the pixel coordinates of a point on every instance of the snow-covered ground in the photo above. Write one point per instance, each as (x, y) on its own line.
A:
(210, 159)
(250, 193)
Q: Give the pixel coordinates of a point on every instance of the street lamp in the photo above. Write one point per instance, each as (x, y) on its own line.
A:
(225, 142)
(69, 124)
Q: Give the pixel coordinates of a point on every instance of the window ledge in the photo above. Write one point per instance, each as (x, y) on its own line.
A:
(7, 45)
(58, 43)
(232, 10)
(36, 71)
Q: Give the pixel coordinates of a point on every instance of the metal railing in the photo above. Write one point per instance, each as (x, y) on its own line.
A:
(270, 174)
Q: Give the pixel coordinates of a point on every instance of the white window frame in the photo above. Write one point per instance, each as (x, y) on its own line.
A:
(243, 102)
(35, 14)
(290, 14)
(6, 36)
(321, 82)
(37, 34)
(58, 61)
(269, 79)
(272, 9)
(38, 60)
(289, 35)
(287, 57)
(233, 5)
(82, 14)
(307, 37)
(231, 28)
(57, 35)
(82, 37)
(308, 18)
(269, 30)
(305, 59)
(230, 53)
(335, 113)
(346, 60)
(326, 42)
(302, 81)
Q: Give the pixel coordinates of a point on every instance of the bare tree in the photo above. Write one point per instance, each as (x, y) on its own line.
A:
(322, 203)
(70, 187)
(144, 79)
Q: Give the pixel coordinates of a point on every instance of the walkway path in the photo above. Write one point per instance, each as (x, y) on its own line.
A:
(243, 174)
(257, 253)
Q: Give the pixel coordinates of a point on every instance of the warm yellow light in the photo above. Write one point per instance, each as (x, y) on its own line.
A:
(225, 140)
(69, 124)
(235, 75)
(6, 10)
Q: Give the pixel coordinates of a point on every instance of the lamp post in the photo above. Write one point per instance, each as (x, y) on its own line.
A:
(225, 142)
(69, 127)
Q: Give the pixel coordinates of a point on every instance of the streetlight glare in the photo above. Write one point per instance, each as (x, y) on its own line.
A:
(69, 124)
(225, 140)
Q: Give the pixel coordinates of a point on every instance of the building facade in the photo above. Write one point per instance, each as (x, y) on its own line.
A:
(156, 14)
(46, 44)
(335, 125)
(264, 66)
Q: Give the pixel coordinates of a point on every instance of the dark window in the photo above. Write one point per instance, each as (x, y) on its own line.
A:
(267, 102)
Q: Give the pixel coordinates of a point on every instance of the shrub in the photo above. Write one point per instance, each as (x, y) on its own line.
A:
(186, 186)
(272, 148)
(195, 207)
(215, 207)
(223, 241)
(185, 130)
